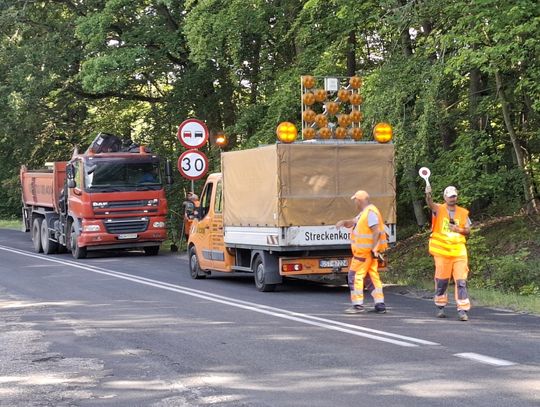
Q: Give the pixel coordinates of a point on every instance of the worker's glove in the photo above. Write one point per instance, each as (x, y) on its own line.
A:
(428, 189)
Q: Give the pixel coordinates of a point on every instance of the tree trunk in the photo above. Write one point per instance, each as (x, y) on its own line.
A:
(410, 170)
(418, 204)
(528, 189)
(475, 89)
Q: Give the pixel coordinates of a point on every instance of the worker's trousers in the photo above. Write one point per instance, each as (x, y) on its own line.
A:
(458, 269)
(360, 267)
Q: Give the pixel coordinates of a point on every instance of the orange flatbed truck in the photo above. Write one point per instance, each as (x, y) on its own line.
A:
(272, 210)
(99, 200)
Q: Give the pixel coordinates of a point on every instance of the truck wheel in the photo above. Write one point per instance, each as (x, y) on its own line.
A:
(76, 251)
(36, 235)
(49, 246)
(151, 250)
(259, 275)
(194, 268)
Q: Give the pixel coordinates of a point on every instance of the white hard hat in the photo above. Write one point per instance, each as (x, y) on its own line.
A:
(450, 191)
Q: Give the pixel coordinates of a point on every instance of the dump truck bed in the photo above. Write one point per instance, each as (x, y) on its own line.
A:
(42, 188)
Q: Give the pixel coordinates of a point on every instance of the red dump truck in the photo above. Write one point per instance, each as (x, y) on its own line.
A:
(107, 198)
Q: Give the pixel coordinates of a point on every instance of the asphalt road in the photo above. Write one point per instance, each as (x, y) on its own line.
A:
(122, 329)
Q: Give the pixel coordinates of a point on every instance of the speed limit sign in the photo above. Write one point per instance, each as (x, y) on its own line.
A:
(193, 164)
(192, 133)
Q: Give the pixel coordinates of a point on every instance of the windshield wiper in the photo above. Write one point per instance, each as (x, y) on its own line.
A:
(105, 188)
(151, 187)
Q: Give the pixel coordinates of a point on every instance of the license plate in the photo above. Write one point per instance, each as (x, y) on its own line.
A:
(330, 264)
(128, 236)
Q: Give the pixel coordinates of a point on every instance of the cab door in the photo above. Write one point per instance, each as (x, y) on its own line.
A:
(220, 256)
(200, 233)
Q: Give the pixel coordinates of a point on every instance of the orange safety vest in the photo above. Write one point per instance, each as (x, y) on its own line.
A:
(442, 241)
(362, 236)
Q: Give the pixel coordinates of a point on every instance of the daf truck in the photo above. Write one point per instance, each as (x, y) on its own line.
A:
(107, 198)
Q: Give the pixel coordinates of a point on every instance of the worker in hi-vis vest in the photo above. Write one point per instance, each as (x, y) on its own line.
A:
(449, 227)
(368, 240)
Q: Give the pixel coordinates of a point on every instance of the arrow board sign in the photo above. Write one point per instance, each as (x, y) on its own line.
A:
(192, 133)
(193, 164)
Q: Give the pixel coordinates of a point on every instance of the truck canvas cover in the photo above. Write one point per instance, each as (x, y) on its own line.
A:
(306, 184)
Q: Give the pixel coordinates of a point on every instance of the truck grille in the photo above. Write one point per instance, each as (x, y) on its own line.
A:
(124, 204)
(130, 225)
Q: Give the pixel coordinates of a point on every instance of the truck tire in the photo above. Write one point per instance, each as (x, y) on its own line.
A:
(259, 276)
(194, 268)
(36, 234)
(151, 250)
(76, 251)
(49, 246)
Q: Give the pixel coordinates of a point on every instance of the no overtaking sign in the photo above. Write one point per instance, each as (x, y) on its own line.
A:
(192, 133)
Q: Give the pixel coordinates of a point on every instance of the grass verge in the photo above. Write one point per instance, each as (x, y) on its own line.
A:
(486, 297)
(10, 224)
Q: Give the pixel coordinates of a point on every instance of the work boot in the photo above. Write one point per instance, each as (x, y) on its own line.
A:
(380, 308)
(462, 315)
(355, 309)
(440, 312)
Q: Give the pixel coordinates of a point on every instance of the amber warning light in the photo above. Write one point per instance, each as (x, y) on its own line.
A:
(221, 139)
(382, 133)
(286, 132)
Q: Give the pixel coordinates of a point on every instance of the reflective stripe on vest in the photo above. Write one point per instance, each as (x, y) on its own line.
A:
(442, 241)
(362, 236)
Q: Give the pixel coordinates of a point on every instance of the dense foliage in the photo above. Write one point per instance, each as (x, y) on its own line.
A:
(458, 80)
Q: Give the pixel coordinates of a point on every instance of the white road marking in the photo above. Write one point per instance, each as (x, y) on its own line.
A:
(484, 359)
(260, 308)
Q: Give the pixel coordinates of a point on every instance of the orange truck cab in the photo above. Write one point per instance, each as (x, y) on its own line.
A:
(273, 209)
(106, 198)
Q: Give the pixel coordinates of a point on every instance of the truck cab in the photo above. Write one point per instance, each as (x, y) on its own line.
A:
(115, 201)
(207, 249)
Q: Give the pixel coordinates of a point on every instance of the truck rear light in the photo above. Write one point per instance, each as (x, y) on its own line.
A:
(292, 267)
(91, 228)
(158, 224)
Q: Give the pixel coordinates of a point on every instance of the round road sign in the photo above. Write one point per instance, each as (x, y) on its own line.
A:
(193, 164)
(192, 133)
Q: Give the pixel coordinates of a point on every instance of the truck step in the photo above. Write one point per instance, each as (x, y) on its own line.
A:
(242, 268)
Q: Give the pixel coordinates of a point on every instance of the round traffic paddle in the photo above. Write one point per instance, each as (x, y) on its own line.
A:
(424, 172)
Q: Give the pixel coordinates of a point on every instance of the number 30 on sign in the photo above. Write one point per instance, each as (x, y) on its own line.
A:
(193, 164)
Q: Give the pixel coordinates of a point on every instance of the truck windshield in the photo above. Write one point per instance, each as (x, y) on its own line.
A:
(121, 175)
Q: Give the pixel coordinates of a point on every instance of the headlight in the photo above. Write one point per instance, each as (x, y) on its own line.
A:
(91, 228)
(158, 224)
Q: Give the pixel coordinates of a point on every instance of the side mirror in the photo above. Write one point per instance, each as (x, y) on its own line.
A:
(70, 174)
(168, 172)
(70, 171)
